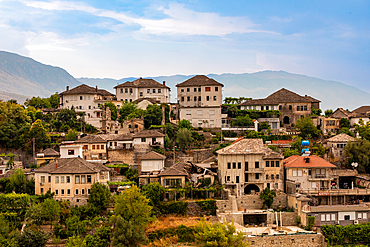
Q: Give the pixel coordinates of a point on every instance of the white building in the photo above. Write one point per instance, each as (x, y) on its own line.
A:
(70, 150)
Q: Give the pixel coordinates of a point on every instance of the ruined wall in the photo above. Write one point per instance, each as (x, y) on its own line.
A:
(288, 218)
(201, 154)
(310, 240)
(195, 210)
(124, 155)
(254, 201)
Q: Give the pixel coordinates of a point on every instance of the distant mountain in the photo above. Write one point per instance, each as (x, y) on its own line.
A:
(23, 75)
(8, 96)
(261, 84)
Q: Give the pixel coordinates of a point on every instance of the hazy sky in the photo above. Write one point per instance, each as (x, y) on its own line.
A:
(115, 39)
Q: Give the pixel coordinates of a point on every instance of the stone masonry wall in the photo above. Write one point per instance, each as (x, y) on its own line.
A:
(254, 201)
(202, 154)
(195, 210)
(125, 155)
(310, 240)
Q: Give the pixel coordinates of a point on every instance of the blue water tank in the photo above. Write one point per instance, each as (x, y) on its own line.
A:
(305, 143)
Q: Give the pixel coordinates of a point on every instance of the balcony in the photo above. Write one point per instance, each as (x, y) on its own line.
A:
(254, 180)
(155, 144)
(255, 170)
(320, 177)
(110, 148)
(335, 192)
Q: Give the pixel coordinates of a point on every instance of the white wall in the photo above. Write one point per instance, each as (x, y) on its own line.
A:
(77, 151)
(152, 165)
(342, 214)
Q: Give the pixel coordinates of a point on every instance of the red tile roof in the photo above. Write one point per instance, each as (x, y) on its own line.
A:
(280, 142)
(297, 161)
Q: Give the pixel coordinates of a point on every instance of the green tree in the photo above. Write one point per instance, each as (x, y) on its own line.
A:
(155, 192)
(113, 110)
(184, 124)
(347, 131)
(152, 116)
(169, 131)
(267, 196)
(307, 128)
(18, 181)
(100, 238)
(218, 234)
(328, 112)
(34, 215)
(242, 121)
(126, 109)
(37, 131)
(72, 135)
(363, 129)
(51, 210)
(344, 123)
(290, 152)
(99, 196)
(132, 175)
(75, 241)
(315, 112)
(133, 207)
(183, 138)
(32, 238)
(126, 233)
(54, 100)
(358, 151)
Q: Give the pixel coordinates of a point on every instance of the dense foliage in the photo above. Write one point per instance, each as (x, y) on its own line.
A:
(349, 235)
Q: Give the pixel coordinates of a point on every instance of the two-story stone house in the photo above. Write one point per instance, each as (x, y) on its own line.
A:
(94, 147)
(248, 165)
(308, 173)
(291, 105)
(86, 99)
(70, 179)
(200, 100)
(143, 88)
(336, 145)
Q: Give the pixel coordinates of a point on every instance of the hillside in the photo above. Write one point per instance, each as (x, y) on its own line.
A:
(261, 84)
(8, 96)
(22, 75)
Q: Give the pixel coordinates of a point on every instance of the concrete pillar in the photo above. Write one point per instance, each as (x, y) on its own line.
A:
(234, 206)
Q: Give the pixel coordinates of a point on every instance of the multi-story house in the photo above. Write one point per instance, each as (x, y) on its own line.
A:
(291, 105)
(70, 179)
(309, 173)
(150, 165)
(86, 99)
(151, 138)
(94, 147)
(248, 165)
(200, 100)
(46, 156)
(143, 88)
(336, 146)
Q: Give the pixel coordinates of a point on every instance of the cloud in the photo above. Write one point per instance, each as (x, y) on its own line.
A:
(180, 21)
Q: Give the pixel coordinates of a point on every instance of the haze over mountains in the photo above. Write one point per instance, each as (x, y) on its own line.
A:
(22, 77)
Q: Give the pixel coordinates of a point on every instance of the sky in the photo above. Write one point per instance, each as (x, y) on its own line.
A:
(115, 39)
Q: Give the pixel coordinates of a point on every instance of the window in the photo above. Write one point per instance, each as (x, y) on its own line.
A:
(267, 107)
(188, 112)
(188, 98)
(182, 99)
(214, 98)
(80, 97)
(56, 179)
(93, 147)
(237, 179)
(141, 94)
(102, 147)
(299, 173)
(359, 216)
(49, 179)
(246, 166)
(267, 176)
(130, 100)
(85, 147)
(76, 192)
(364, 216)
(199, 89)
(211, 122)
(228, 178)
(71, 152)
(262, 108)
(199, 98)
(257, 164)
(62, 179)
(347, 217)
(130, 90)
(276, 186)
(228, 165)
(68, 191)
(305, 108)
(333, 217)
(77, 179)
(323, 217)
(208, 89)
(62, 191)
(272, 164)
(75, 97)
(298, 107)
(301, 107)
(239, 165)
(188, 90)
(277, 176)
(257, 176)
(42, 179)
(294, 173)
(83, 179)
(195, 89)
(246, 177)
(272, 176)
(143, 139)
(126, 90)
(328, 217)
(199, 112)
(195, 98)
(42, 190)
(83, 191)
(234, 165)
(277, 163)
(182, 90)
(290, 107)
(88, 177)
(88, 191)
(121, 90)
(212, 112)
(267, 163)
(148, 91)
(280, 107)
(153, 90)
(68, 179)
(207, 98)
(56, 192)
(216, 89)
(97, 147)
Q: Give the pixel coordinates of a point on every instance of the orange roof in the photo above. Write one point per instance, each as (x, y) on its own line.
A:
(297, 161)
(282, 141)
(239, 139)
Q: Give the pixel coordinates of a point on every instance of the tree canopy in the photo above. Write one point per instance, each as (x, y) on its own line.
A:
(307, 128)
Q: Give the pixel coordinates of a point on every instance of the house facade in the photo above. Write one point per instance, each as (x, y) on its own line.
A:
(199, 101)
(94, 147)
(143, 88)
(46, 156)
(291, 105)
(150, 165)
(86, 99)
(248, 165)
(336, 145)
(150, 138)
(70, 179)
(70, 150)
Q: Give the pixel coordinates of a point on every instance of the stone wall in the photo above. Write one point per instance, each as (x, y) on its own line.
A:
(310, 240)
(254, 201)
(202, 154)
(195, 210)
(124, 155)
(288, 218)
(21, 155)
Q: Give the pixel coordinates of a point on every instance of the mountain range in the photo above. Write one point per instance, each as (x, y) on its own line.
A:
(22, 77)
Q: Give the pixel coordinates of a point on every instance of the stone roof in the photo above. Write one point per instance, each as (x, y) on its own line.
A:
(363, 111)
(49, 152)
(72, 166)
(340, 112)
(148, 134)
(199, 80)
(91, 139)
(85, 89)
(250, 146)
(152, 156)
(314, 161)
(118, 137)
(177, 169)
(341, 138)
(151, 100)
(339, 208)
(281, 96)
(142, 83)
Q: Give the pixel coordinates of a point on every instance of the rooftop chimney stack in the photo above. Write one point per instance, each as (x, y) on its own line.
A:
(96, 88)
(164, 83)
(56, 164)
(67, 88)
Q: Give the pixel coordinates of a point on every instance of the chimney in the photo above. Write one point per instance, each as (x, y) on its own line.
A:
(56, 164)
(307, 160)
(164, 83)
(96, 88)
(67, 88)
(141, 78)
